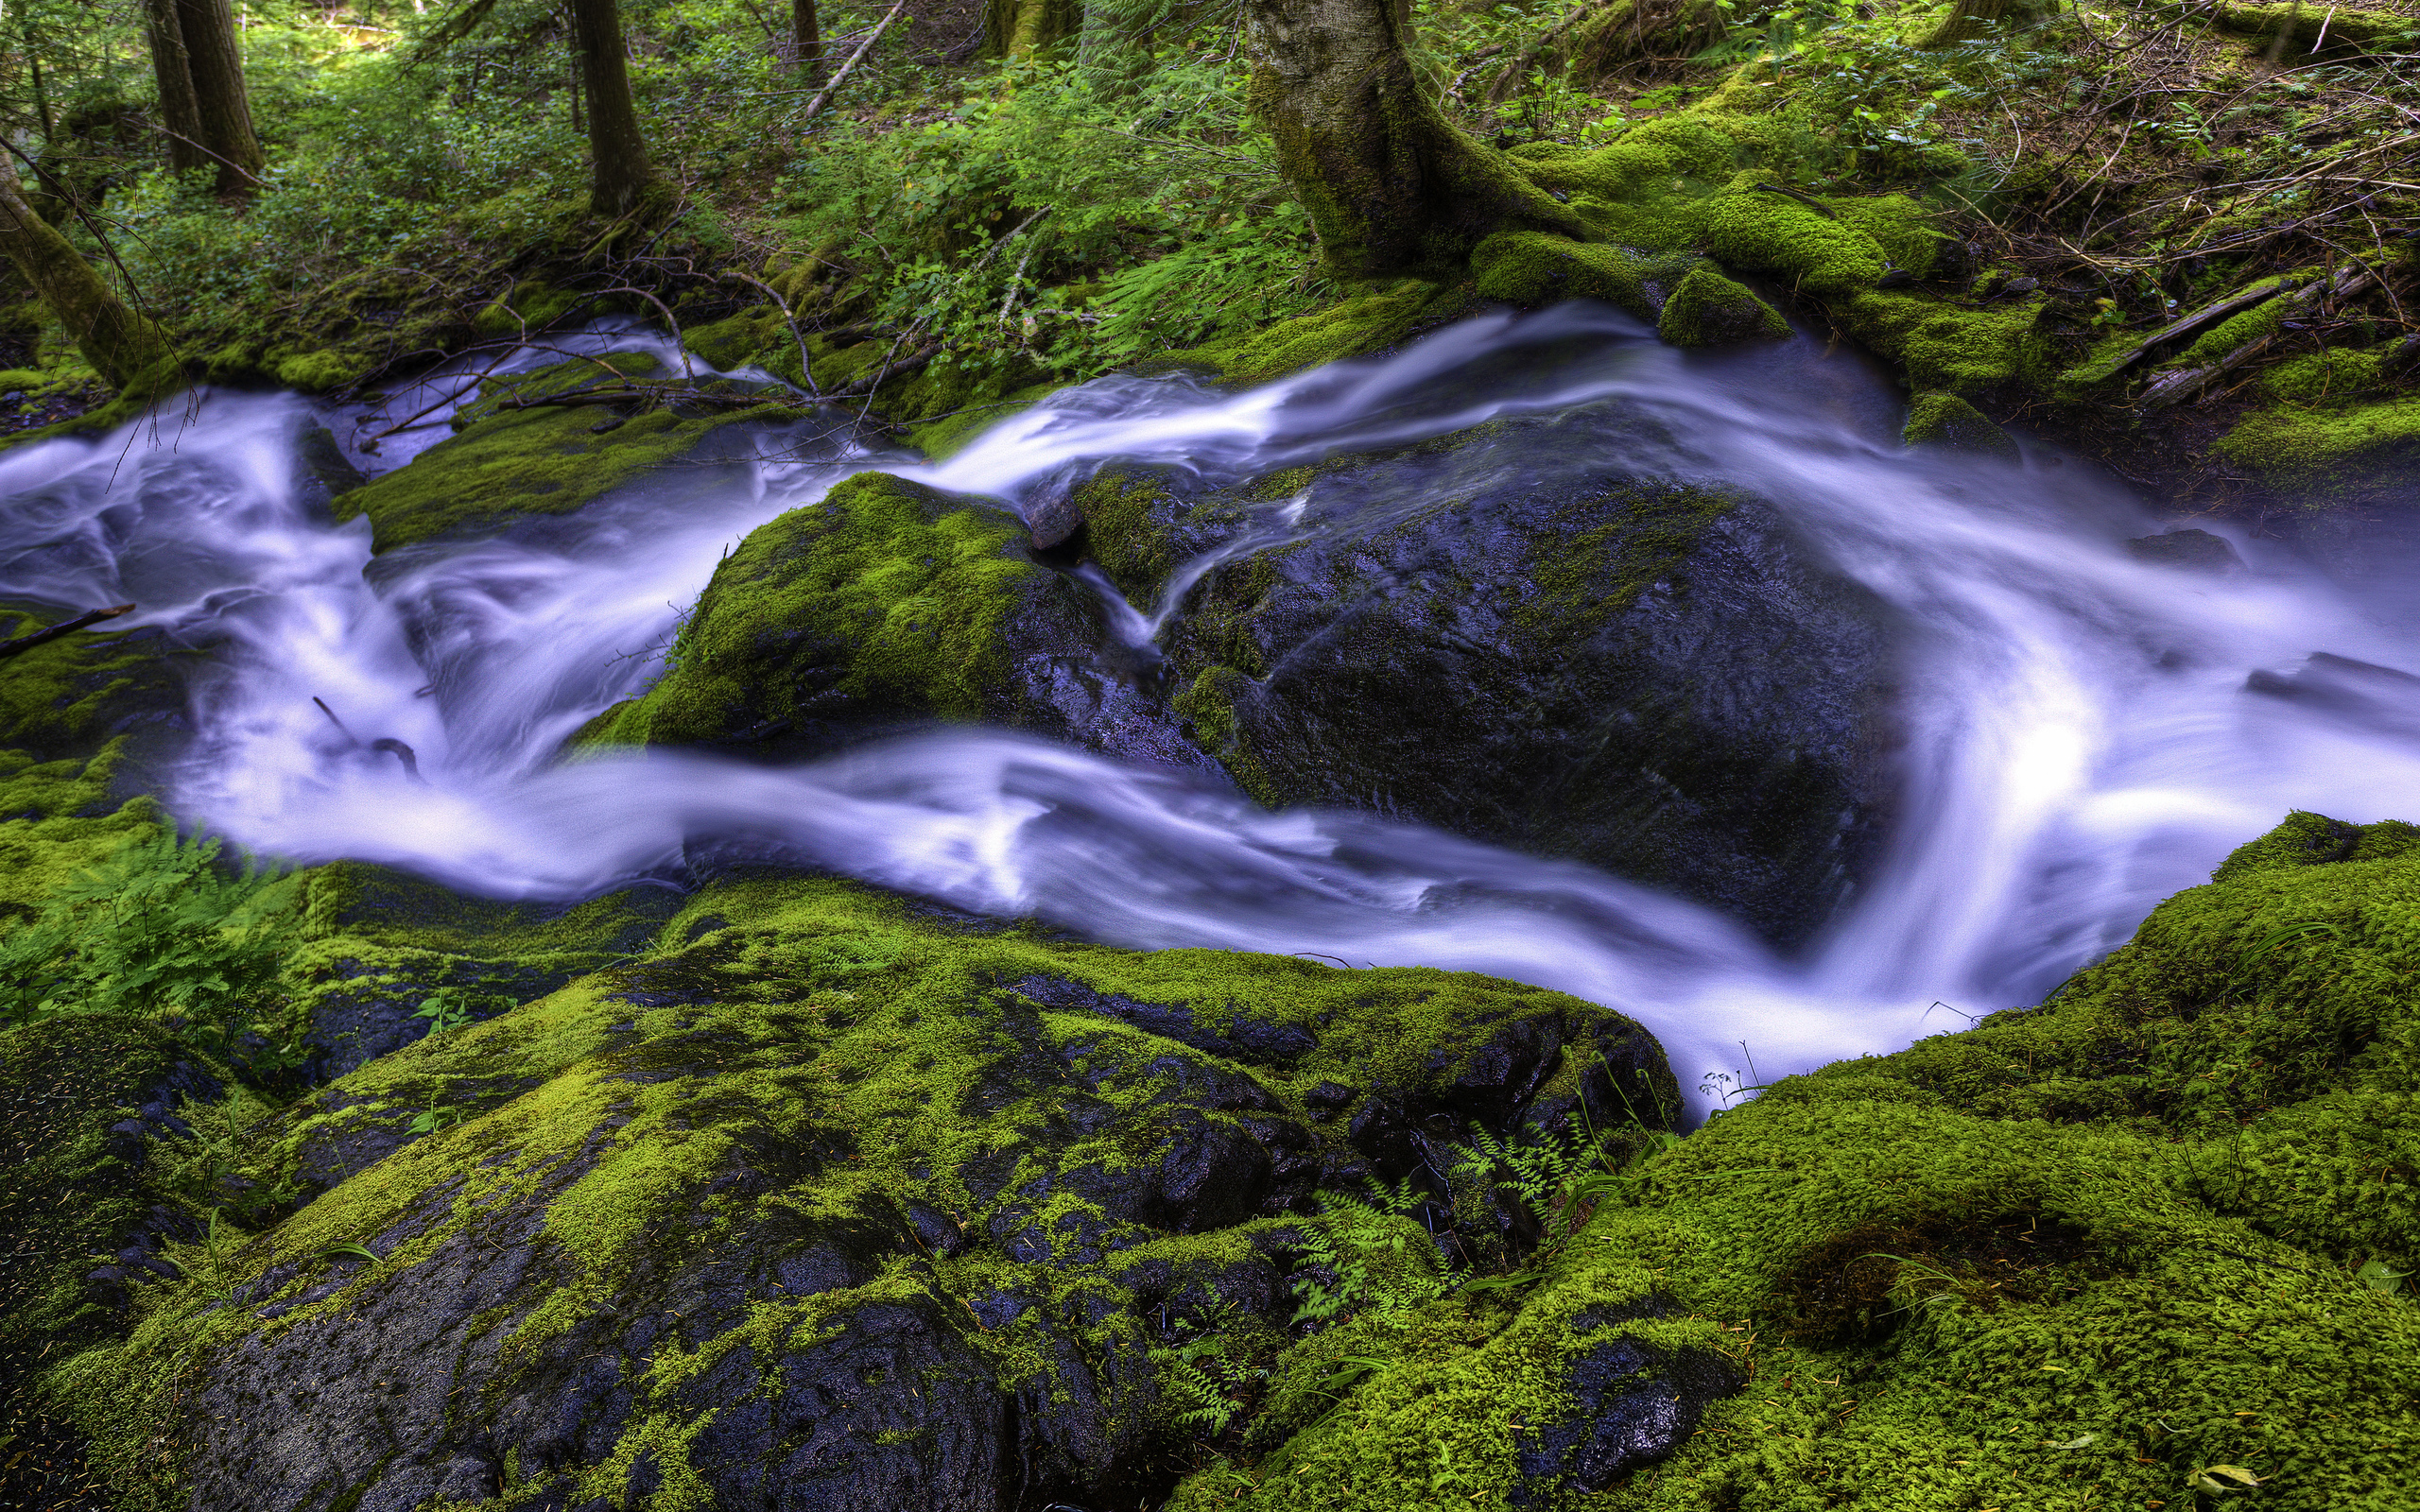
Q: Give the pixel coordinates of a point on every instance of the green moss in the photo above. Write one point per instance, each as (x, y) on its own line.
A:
(56, 819)
(70, 697)
(317, 372)
(886, 590)
(2070, 1258)
(1365, 323)
(2321, 376)
(509, 463)
(71, 1192)
(1946, 419)
(1125, 521)
(1761, 232)
(1642, 534)
(807, 1016)
(1707, 310)
(532, 305)
(1533, 269)
(1942, 346)
(2235, 331)
(944, 437)
(2355, 442)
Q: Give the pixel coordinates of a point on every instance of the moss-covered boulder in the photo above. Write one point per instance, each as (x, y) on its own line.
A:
(1506, 634)
(510, 462)
(823, 1202)
(67, 699)
(1708, 310)
(2150, 1242)
(884, 603)
(1949, 422)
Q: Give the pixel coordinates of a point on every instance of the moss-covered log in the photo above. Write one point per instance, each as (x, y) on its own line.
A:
(124, 348)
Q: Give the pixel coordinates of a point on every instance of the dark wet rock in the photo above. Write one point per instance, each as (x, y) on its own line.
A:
(1631, 1404)
(877, 1214)
(1521, 635)
(1053, 516)
(2194, 550)
(2358, 693)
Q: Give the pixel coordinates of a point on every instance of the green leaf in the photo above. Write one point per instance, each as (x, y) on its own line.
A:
(348, 1248)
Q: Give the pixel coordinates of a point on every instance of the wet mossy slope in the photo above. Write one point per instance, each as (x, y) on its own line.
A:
(825, 1203)
(2143, 1243)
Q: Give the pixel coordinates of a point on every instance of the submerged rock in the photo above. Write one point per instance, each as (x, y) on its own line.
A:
(2195, 550)
(829, 1206)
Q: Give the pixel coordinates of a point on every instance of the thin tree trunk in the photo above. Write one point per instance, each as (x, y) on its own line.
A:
(122, 346)
(806, 42)
(42, 91)
(1392, 186)
(624, 173)
(217, 65)
(180, 112)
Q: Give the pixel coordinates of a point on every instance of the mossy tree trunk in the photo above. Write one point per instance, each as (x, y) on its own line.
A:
(1029, 29)
(1392, 186)
(806, 42)
(1970, 19)
(122, 346)
(625, 175)
(199, 68)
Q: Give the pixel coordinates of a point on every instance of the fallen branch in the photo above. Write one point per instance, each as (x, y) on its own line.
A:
(805, 364)
(816, 105)
(2188, 325)
(65, 627)
(2175, 387)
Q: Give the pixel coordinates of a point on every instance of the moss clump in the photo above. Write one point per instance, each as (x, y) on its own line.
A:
(319, 373)
(1534, 268)
(2235, 331)
(1708, 310)
(1947, 420)
(532, 305)
(2297, 445)
(2322, 376)
(2092, 1249)
(509, 463)
(886, 599)
(1762, 232)
(57, 818)
(944, 437)
(1942, 346)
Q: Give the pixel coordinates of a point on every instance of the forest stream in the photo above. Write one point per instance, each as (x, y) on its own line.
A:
(2081, 728)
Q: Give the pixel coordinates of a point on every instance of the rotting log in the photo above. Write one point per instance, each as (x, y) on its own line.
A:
(2172, 389)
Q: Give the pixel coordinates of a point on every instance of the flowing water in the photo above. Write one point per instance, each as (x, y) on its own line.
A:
(2080, 741)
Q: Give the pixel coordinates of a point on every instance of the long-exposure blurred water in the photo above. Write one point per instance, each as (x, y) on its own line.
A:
(2078, 740)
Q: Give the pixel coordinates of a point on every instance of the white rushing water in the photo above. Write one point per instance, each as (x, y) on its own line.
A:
(2078, 740)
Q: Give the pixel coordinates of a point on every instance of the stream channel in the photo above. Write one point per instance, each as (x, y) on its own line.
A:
(2078, 733)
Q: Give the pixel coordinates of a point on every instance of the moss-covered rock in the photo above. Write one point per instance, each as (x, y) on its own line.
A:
(1708, 310)
(509, 463)
(2147, 1242)
(826, 1196)
(883, 602)
(67, 699)
(1947, 420)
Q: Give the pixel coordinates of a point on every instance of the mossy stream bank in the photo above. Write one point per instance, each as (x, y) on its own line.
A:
(792, 1194)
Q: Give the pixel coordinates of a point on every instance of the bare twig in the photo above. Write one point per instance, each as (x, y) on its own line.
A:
(65, 627)
(815, 106)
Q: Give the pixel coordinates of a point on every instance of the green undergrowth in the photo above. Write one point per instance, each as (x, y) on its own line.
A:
(507, 463)
(2147, 1242)
(884, 590)
(887, 1052)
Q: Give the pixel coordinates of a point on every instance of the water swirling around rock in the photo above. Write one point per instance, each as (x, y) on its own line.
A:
(2074, 737)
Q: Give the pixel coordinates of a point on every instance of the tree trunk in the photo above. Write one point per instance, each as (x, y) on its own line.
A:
(1390, 185)
(807, 43)
(215, 58)
(122, 346)
(1029, 29)
(180, 112)
(624, 175)
(1970, 19)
